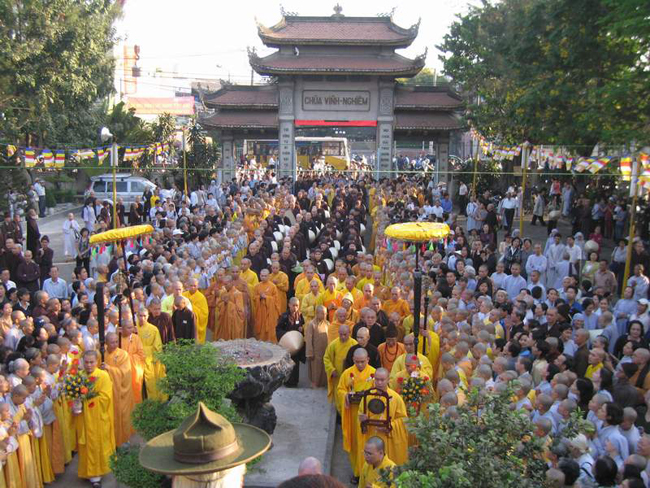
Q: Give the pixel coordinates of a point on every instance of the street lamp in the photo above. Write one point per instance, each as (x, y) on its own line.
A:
(105, 135)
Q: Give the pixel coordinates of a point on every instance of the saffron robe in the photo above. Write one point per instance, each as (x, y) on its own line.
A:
(308, 305)
(95, 426)
(388, 355)
(352, 381)
(133, 346)
(212, 296)
(153, 369)
(333, 329)
(400, 364)
(303, 288)
(30, 477)
(371, 476)
(327, 299)
(281, 282)
(267, 311)
(396, 441)
(315, 346)
(118, 366)
(201, 311)
(333, 360)
(400, 306)
(251, 279)
(232, 315)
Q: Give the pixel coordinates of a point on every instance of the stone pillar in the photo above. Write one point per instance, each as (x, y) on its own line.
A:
(227, 157)
(286, 133)
(443, 164)
(384, 164)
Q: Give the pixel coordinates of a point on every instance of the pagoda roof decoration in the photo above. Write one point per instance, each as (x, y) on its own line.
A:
(424, 97)
(242, 119)
(337, 29)
(390, 65)
(243, 97)
(427, 121)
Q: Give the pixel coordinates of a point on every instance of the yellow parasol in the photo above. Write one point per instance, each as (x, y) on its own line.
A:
(116, 235)
(417, 231)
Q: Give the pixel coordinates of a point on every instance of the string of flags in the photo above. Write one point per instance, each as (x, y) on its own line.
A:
(32, 157)
(555, 158)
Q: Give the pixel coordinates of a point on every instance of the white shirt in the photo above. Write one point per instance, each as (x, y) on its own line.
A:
(40, 189)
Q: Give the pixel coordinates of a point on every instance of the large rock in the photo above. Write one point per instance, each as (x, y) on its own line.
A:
(267, 367)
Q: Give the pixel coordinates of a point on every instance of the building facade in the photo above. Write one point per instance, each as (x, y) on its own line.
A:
(330, 76)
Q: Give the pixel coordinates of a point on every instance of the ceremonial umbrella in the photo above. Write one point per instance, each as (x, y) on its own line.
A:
(418, 232)
(116, 236)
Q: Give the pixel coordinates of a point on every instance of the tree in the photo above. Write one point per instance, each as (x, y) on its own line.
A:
(487, 445)
(548, 71)
(427, 76)
(55, 63)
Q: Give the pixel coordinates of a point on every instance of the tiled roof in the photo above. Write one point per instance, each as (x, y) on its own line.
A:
(243, 97)
(416, 99)
(337, 30)
(242, 119)
(426, 121)
(395, 64)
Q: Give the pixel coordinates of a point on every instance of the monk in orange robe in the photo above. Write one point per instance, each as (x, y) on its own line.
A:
(212, 296)
(118, 365)
(396, 304)
(267, 308)
(340, 318)
(232, 312)
(390, 350)
(365, 300)
(281, 282)
(132, 344)
(331, 298)
(247, 294)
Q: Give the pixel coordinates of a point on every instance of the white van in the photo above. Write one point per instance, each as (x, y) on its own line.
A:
(128, 187)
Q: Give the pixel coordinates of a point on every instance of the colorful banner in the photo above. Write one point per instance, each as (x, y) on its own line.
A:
(48, 158)
(59, 159)
(30, 157)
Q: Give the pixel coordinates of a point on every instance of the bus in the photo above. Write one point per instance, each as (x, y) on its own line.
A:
(335, 151)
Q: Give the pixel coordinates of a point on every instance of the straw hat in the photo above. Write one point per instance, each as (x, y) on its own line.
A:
(205, 442)
(292, 341)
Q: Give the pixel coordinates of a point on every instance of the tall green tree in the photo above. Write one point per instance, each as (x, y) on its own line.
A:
(55, 63)
(548, 71)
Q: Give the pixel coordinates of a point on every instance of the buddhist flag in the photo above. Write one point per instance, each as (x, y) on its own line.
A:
(101, 155)
(626, 167)
(30, 157)
(11, 150)
(59, 159)
(598, 164)
(159, 149)
(644, 170)
(48, 158)
(128, 154)
(569, 163)
(583, 164)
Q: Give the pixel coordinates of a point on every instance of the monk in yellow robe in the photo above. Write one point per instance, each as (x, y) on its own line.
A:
(356, 378)
(200, 308)
(390, 350)
(365, 277)
(381, 291)
(431, 341)
(397, 440)
(36, 400)
(248, 275)
(95, 424)
(334, 360)
(304, 285)
(132, 344)
(398, 381)
(167, 304)
(11, 475)
(376, 460)
(396, 304)
(400, 362)
(152, 344)
(212, 296)
(309, 302)
(117, 364)
(281, 282)
(364, 300)
(232, 312)
(351, 288)
(21, 416)
(331, 298)
(267, 308)
(351, 315)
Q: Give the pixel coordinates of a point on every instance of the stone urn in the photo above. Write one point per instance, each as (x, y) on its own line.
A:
(267, 367)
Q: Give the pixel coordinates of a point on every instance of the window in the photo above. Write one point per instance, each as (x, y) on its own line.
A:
(137, 187)
(332, 148)
(121, 187)
(99, 186)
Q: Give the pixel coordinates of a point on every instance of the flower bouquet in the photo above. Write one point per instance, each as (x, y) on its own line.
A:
(77, 387)
(415, 390)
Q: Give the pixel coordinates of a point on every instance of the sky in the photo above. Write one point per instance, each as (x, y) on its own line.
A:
(208, 39)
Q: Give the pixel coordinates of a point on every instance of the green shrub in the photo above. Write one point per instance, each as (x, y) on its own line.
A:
(194, 373)
(127, 469)
(50, 199)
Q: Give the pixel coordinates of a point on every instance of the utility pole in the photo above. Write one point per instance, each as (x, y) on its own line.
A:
(634, 191)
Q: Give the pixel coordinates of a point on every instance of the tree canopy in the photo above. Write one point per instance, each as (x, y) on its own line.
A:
(55, 64)
(563, 72)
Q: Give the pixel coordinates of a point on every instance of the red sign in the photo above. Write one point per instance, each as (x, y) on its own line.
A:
(337, 123)
(157, 106)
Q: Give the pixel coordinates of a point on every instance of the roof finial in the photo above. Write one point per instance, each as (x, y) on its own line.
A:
(337, 10)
